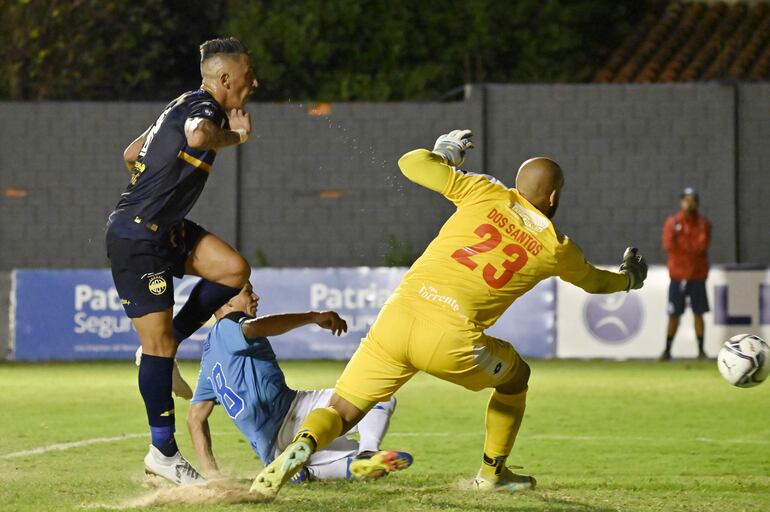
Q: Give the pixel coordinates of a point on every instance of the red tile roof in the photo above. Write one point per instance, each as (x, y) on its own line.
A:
(695, 41)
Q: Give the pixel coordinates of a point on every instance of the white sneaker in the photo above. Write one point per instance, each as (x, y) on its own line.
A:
(179, 386)
(175, 469)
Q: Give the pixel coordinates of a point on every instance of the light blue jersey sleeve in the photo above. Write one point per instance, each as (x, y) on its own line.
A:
(203, 390)
(230, 336)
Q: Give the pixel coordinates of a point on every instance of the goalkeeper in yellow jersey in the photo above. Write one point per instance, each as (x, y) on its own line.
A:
(497, 246)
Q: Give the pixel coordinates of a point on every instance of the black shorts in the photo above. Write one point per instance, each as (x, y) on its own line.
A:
(143, 270)
(678, 291)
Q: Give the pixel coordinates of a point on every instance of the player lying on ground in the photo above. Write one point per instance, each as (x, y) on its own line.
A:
(497, 245)
(149, 240)
(239, 371)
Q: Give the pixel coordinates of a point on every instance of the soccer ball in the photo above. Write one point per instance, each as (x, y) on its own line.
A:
(743, 360)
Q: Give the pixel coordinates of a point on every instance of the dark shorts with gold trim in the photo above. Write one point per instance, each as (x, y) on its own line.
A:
(143, 270)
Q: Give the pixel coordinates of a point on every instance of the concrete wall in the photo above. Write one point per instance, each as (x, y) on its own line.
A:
(325, 190)
(627, 152)
(754, 176)
(67, 159)
(5, 314)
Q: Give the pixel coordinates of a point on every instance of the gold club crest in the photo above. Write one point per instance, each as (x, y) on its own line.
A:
(157, 285)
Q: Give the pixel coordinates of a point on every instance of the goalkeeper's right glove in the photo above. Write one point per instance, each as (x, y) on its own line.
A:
(452, 146)
(635, 267)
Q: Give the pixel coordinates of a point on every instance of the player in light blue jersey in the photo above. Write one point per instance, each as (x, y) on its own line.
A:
(239, 371)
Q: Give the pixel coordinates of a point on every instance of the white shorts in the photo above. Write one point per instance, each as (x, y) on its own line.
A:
(303, 403)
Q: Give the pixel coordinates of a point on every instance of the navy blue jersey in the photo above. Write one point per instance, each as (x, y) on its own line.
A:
(244, 377)
(169, 175)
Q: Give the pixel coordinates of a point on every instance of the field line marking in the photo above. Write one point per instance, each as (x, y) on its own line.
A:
(435, 434)
(544, 437)
(68, 446)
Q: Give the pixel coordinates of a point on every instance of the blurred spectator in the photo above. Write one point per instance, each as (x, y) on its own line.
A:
(686, 237)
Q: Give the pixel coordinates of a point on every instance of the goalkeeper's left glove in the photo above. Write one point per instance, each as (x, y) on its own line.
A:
(452, 146)
(635, 267)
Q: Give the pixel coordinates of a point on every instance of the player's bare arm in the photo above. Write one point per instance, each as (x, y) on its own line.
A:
(131, 153)
(274, 325)
(198, 426)
(203, 134)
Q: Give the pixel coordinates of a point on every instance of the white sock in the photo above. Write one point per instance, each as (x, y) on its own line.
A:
(374, 425)
(337, 470)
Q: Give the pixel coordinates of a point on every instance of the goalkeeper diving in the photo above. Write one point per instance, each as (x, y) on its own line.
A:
(499, 244)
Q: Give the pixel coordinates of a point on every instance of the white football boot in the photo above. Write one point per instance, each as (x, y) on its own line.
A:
(175, 469)
(179, 386)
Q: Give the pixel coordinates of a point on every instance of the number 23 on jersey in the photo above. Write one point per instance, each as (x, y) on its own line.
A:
(491, 239)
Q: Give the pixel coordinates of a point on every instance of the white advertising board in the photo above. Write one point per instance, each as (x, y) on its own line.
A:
(633, 325)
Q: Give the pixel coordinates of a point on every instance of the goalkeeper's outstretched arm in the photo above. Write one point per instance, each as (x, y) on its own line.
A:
(631, 275)
(198, 426)
(426, 168)
(603, 281)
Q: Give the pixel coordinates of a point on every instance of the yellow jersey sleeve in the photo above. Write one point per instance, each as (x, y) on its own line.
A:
(425, 168)
(572, 267)
(429, 170)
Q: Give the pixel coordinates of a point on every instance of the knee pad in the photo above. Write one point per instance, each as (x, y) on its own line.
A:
(518, 382)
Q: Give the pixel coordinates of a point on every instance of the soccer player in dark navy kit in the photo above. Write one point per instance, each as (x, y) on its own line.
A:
(149, 240)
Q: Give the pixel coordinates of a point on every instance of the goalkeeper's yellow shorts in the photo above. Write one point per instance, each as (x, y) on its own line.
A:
(400, 343)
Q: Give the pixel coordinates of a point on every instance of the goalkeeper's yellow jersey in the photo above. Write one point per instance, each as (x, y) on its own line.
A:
(491, 251)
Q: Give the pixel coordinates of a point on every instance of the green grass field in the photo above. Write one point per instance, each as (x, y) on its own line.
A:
(597, 435)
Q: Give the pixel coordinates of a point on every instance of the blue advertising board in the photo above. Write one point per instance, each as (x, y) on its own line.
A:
(77, 315)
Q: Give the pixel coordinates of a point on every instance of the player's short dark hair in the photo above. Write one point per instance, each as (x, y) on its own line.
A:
(221, 46)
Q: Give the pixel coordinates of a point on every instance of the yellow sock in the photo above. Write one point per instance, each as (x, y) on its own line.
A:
(321, 427)
(504, 415)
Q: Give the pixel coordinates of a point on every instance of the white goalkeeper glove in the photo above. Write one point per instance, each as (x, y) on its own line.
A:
(453, 145)
(635, 267)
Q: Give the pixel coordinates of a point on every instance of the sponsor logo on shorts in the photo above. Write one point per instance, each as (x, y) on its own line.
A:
(488, 362)
(615, 318)
(157, 285)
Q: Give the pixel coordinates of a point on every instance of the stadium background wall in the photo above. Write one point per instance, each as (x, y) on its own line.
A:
(322, 188)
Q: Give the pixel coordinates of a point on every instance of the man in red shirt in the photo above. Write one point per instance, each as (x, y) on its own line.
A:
(686, 237)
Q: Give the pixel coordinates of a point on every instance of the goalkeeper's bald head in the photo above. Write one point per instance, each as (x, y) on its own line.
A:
(540, 180)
